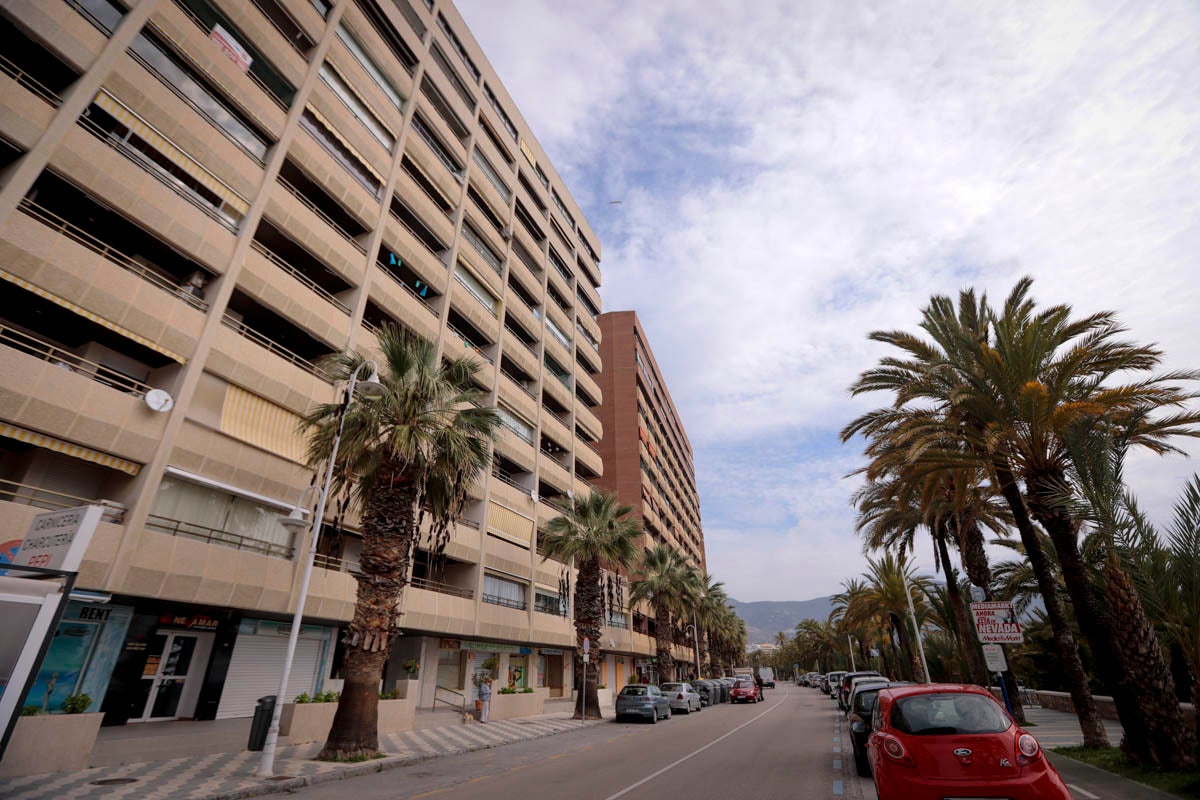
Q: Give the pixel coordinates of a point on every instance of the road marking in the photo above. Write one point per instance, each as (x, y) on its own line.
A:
(837, 787)
(697, 752)
(1083, 792)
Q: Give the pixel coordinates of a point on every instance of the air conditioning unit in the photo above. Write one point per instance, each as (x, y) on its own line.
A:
(507, 233)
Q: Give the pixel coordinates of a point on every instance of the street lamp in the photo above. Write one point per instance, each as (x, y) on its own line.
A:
(370, 389)
(916, 630)
(850, 644)
(695, 643)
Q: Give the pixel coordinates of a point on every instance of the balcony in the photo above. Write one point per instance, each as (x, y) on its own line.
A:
(289, 292)
(285, 377)
(327, 171)
(417, 312)
(26, 105)
(174, 527)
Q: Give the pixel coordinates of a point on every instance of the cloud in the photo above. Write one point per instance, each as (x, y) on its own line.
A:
(793, 180)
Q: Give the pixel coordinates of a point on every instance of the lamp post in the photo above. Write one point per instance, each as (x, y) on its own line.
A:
(370, 389)
(850, 644)
(695, 643)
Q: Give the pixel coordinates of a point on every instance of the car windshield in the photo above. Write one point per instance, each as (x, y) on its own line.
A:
(941, 714)
(743, 684)
(635, 691)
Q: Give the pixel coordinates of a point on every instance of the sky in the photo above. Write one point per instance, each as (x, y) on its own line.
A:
(794, 175)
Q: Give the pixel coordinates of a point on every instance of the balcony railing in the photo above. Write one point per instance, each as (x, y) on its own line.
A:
(423, 300)
(311, 206)
(485, 251)
(244, 330)
(587, 337)
(488, 302)
(336, 564)
(29, 82)
(40, 348)
(520, 383)
(30, 495)
(491, 175)
(507, 477)
(79, 235)
(557, 416)
(555, 457)
(300, 276)
(191, 530)
(496, 600)
(443, 588)
(469, 343)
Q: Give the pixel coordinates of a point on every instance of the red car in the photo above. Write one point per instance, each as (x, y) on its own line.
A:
(948, 740)
(745, 691)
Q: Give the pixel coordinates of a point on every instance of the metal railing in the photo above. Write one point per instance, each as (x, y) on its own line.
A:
(523, 343)
(506, 477)
(423, 300)
(442, 588)
(554, 457)
(490, 174)
(440, 255)
(557, 416)
(520, 383)
(191, 530)
(336, 564)
(439, 150)
(244, 330)
(31, 83)
(311, 206)
(467, 341)
(496, 600)
(27, 494)
(490, 305)
(100, 248)
(451, 697)
(481, 247)
(300, 276)
(587, 337)
(40, 348)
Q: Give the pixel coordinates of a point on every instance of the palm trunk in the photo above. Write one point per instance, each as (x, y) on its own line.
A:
(966, 641)
(1094, 734)
(900, 629)
(589, 615)
(664, 633)
(389, 530)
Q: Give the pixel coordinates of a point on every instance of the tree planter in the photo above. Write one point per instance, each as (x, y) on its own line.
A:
(605, 697)
(310, 722)
(513, 706)
(51, 743)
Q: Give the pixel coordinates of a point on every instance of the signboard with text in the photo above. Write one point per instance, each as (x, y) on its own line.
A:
(996, 622)
(993, 654)
(58, 539)
(231, 47)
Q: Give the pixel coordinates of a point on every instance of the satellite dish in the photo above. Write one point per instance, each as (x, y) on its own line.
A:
(159, 400)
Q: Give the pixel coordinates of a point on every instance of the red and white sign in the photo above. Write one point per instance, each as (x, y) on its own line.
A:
(231, 47)
(996, 622)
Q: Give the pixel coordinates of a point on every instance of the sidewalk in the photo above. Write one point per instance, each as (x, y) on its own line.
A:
(227, 776)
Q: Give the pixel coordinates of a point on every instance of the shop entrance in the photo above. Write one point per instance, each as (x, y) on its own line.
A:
(173, 673)
(550, 670)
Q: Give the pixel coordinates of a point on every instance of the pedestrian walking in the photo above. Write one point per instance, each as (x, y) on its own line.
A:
(758, 681)
(485, 699)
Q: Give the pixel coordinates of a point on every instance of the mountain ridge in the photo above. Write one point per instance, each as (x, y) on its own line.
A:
(765, 618)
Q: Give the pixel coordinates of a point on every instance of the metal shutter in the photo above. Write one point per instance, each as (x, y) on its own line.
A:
(256, 666)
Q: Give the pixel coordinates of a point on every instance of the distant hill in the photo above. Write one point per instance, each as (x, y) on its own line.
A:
(766, 618)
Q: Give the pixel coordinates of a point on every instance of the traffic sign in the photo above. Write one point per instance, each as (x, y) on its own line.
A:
(996, 622)
(977, 593)
(993, 654)
(587, 645)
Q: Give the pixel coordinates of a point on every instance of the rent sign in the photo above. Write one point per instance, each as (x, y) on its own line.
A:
(996, 622)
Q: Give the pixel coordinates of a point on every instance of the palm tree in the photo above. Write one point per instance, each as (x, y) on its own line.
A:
(413, 452)
(819, 642)
(950, 372)
(711, 606)
(593, 530)
(667, 583)
(890, 582)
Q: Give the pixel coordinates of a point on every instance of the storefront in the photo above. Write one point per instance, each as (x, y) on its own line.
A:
(81, 656)
(256, 664)
(550, 670)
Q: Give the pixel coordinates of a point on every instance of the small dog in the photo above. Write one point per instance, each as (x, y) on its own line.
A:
(468, 717)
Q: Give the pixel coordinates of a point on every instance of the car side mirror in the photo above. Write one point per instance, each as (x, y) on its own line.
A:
(858, 727)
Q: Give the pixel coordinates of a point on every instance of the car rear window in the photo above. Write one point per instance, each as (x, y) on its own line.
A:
(865, 701)
(950, 713)
(634, 691)
(671, 687)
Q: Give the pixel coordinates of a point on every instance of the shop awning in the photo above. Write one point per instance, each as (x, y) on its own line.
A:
(67, 448)
(96, 318)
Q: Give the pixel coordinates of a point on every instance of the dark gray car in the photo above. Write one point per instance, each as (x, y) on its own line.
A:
(643, 700)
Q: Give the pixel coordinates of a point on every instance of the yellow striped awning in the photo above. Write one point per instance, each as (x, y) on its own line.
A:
(96, 318)
(259, 422)
(170, 150)
(342, 139)
(67, 448)
(510, 524)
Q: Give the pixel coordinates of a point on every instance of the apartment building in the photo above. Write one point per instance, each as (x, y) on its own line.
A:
(200, 199)
(646, 453)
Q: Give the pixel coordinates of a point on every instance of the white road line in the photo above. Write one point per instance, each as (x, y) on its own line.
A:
(1083, 792)
(674, 764)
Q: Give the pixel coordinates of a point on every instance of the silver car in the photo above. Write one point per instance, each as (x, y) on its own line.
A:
(643, 700)
(682, 697)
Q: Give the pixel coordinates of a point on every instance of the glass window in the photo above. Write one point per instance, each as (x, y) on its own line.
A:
(503, 592)
(358, 107)
(515, 424)
(217, 512)
(369, 65)
(104, 14)
(548, 603)
(207, 16)
(336, 145)
(635, 691)
(950, 713)
(476, 288)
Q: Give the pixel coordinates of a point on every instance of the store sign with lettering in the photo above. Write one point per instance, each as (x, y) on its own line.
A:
(231, 47)
(996, 622)
(191, 622)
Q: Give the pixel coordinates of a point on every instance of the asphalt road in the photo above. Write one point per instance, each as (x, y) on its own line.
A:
(780, 748)
(794, 745)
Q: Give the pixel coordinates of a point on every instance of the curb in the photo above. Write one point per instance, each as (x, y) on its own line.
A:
(1145, 791)
(290, 785)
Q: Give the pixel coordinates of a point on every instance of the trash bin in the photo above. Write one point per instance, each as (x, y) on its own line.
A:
(263, 711)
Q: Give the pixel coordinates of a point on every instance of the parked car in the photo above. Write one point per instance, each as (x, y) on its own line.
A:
(855, 681)
(768, 677)
(862, 703)
(643, 700)
(745, 690)
(829, 685)
(682, 697)
(843, 686)
(938, 740)
(708, 690)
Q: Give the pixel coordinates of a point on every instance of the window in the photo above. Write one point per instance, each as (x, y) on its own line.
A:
(504, 592)
(358, 107)
(286, 24)
(190, 509)
(103, 14)
(616, 619)
(490, 173)
(435, 144)
(457, 44)
(562, 338)
(549, 602)
(541, 176)
(369, 65)
(335, 143)
(476, 288)
(206, 15)
(562, 207)
(504, 118)
(515, 424)
(442, 106)
(188, 83)
(391, 37)
(480, 246)
(939, 714)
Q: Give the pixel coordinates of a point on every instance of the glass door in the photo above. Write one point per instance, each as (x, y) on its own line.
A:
(166, 672)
